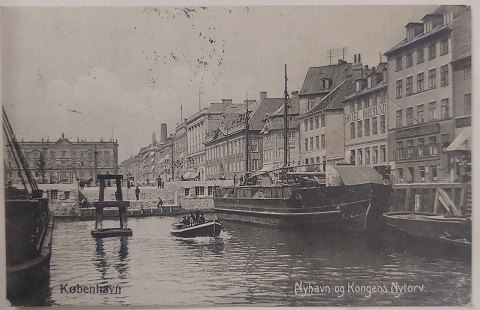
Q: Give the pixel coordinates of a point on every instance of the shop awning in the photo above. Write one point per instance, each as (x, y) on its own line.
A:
(461, 142)
(351, 175)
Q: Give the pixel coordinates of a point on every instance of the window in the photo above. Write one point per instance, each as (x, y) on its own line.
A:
(367, 127)
(399, 89)
(306, 144)
(421, 172)
(433, 172)
(311, 143)
(398, 63)
(311, 103)
(255, 145)
(210, 190)
(382, 124)
(375, 155)
(323, 141)
(409, 116)
(374, 126)
(400, 174)
(64, 154)
(199, 190)
(382, 97)
(256, 164)
(306, 161)
(467, 104)
(383, 153)
(444, 46)
(66, 194)
(399, 118)
(467, 73)
(292, 135)
(359, 105)
(431, 51)
(432, 76)
(352, 130)
(420, 82)
(445, 140)
(420, 57)
(311, 123)
(317, 159)
(409, 147)
(306, 124)
(444, 75)
(316, 122)
(409, 59)
(367, 156)
(322, 119)
(445, 111)
(54, 194)
(317, 142)
(432, 111)
(412, 173)
(421, 145)
(409, 85)
(366, 103)
(421, 113)
(360, 156)
(359, 129)
(432, 141)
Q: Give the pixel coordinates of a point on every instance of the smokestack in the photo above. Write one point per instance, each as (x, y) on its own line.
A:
(359, 58)
(163, 133)
(263, 95)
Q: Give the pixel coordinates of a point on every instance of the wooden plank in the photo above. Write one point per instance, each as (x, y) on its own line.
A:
(449, 202)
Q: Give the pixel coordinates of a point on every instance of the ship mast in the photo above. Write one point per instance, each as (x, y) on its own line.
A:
(285, 123)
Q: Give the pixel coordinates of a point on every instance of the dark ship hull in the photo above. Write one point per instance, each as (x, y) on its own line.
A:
(29, 232)
(455, 231)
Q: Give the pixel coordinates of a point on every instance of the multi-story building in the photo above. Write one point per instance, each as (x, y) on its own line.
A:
(460, 148)
(64, 161)
(180, 151)
(321, 112)
(421, 122)
(226, 144)
(273, 136)
(197, 128)
(366, 128)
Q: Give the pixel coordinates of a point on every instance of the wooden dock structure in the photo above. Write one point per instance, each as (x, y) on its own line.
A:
(101, 205)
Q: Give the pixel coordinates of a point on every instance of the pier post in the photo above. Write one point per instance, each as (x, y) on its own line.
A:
(407, 198)
(436, 203)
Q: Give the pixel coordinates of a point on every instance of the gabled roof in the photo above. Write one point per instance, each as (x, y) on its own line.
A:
(313, 80)
(267, 106)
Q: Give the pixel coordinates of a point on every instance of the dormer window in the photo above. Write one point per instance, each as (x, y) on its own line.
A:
(428, 26)
(326, 83)
(447, 18)
(371, 82)
(358, 86)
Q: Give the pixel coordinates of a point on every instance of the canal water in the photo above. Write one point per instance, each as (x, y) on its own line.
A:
(252, 265)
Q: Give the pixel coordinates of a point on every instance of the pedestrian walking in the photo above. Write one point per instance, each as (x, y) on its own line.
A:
(137, 193)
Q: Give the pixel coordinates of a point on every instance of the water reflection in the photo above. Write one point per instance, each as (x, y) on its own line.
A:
(102, 261)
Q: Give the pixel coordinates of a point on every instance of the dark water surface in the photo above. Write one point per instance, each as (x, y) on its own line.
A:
(251, 265)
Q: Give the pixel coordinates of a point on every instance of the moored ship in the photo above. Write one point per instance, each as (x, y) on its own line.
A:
(344, 197)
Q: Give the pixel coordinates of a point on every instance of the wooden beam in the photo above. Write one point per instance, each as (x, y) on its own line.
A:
(447, 202)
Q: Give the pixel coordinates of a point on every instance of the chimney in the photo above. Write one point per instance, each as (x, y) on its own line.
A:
(359, 58)
(263, 95)
(163, 133)
(355, 58)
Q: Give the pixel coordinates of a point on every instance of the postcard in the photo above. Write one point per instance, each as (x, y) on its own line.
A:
(244, 155)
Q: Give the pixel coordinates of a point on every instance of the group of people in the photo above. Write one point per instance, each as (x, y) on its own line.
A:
(196, 217)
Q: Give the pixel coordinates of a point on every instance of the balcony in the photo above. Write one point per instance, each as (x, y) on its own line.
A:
(418, 151)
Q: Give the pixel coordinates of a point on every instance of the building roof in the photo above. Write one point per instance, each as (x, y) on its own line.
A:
(313, 80)
(440, 11)
(267, 106)
(462, 35)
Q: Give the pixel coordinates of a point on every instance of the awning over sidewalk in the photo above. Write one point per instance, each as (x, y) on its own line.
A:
(461, 142)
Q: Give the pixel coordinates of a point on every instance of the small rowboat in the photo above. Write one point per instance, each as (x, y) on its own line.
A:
(197, 229)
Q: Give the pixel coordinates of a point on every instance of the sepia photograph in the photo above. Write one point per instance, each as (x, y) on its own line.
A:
(217, 155)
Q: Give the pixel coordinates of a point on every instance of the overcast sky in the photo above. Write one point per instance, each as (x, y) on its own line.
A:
(89, 72)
